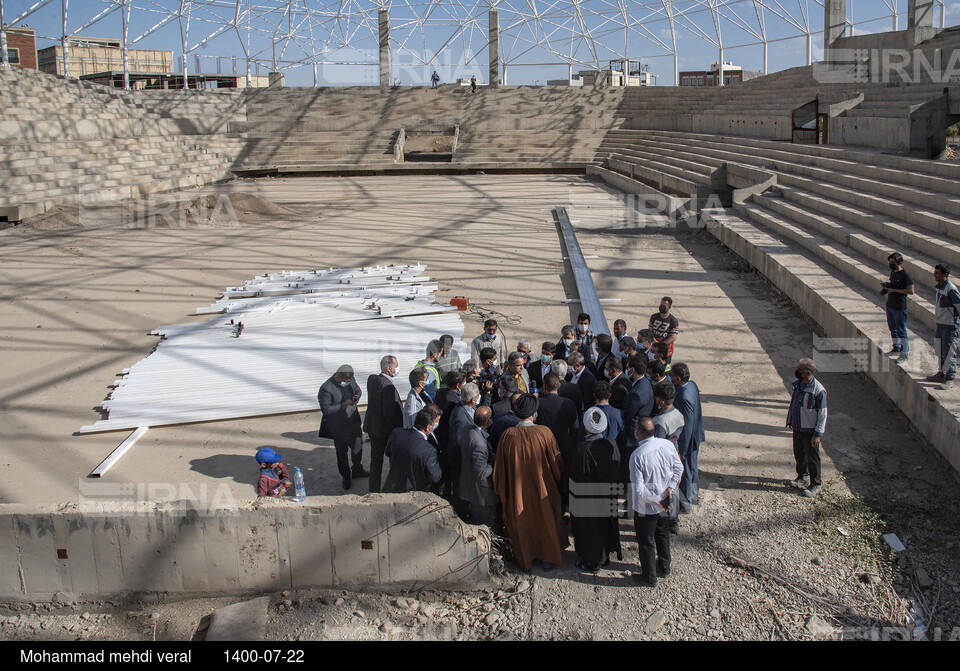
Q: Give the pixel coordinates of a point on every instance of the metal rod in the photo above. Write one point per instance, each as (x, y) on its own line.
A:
(114, 456)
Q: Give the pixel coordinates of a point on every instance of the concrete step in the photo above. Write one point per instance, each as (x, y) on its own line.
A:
(855, 318)
(852, 264)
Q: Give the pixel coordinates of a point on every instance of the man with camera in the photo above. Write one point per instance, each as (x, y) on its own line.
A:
(896, 290)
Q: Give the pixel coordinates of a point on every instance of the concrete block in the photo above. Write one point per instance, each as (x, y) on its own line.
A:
(37, 544)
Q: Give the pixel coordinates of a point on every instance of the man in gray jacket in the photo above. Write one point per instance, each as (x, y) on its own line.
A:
(808, 419)
(475, 484)
(947, 305)
(338, 398)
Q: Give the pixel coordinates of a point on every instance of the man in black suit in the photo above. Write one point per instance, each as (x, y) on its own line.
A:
(637, 404)
(338, 398)
(559, 415)
(447, 397)
(567, 338)
(384, 414)
(541, 366)
(414, 466)
(567, 389)
(505, 390)
(461, 415)
(581, 377)
(604, 344)
(619, 384)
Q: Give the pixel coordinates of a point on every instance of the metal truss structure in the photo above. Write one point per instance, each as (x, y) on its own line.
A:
(289, 34)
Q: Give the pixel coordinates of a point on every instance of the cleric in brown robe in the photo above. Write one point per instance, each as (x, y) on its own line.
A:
(594, 472)
(526, 477)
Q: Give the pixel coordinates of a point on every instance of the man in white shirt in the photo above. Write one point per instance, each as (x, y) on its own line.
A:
(655, 471)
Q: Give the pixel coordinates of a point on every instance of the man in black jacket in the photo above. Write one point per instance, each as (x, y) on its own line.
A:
(414, 466)
(559, 415)
(384, 414)
(338, 398)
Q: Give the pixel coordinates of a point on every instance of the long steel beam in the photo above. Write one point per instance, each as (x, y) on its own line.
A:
(589, 301)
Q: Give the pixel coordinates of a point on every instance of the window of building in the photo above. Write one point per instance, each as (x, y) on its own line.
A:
(13, 55)
(700, 81)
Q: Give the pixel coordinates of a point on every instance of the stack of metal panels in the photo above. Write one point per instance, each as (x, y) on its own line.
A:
(289, 344)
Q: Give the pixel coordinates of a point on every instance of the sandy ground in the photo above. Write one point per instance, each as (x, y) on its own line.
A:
(807, 563)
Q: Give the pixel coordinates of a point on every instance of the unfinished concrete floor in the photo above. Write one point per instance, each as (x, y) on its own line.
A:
(78, 304)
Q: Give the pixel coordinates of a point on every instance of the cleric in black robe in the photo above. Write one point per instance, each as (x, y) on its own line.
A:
(594, 469)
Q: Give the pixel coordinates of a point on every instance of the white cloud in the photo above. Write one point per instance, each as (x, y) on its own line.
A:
(953, 10)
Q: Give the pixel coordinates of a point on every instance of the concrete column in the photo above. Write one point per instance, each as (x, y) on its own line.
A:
(64, 42)
(384, 16)
(4, 56)
(720, 71)
(275, 79)
(920, 14)
(834, 21)
(494, 47)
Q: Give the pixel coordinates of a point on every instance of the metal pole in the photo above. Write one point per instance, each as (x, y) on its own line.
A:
(125, 15)
(4, 56)
(64, 43)
(720, 71)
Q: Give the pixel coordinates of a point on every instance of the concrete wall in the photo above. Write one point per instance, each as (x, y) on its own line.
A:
(116, 549)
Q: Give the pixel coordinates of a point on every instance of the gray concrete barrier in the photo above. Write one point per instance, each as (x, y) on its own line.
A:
(183, 549)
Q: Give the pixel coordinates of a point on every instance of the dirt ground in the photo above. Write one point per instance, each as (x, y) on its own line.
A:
(755, 561)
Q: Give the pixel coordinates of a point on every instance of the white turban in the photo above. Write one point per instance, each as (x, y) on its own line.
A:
(595, 420)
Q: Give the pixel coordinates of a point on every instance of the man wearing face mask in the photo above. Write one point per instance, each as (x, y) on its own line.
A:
(665, 326)
(541, 366)
(638, 403)
(807, 417)
(603, 343)
(585, 337)
(567, 338)
(896, 290)
(338, 398)
(384, 414)
(492, 338)
(414, 466)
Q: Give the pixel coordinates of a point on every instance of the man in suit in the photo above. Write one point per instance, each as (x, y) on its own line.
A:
(541, 366)
(567, 389)
(581, 377)
(687, 401)
(506, 388)
(603, 343)
(619, 384)
(461, 415)
(384, 414)
(558, 414)
(338, 398)
(447, 397)
(567, 338)
(637, 404)
(414, 466)
(503, 421)
(475, 485)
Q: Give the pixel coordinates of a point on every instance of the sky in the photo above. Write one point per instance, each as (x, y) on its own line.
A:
(536, 36)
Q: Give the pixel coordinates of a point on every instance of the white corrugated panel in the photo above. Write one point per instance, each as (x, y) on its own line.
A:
(290, 344)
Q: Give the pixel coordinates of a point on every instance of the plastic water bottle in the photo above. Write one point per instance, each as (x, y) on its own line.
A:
(301, 494)
(919, 627)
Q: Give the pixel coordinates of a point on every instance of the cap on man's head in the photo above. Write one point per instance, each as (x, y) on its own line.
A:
(526, 406)
(346, 370)
(267, 455)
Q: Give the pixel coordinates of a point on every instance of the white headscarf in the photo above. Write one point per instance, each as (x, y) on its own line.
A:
(595, 420)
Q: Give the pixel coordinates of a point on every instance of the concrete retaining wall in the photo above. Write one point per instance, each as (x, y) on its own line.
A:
(117, 549)
(935, 422)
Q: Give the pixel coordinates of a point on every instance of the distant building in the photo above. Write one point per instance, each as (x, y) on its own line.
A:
(21, 48)
(573, 81)
(94, 55)
(100, 60)
(619, 73)
(732, 74)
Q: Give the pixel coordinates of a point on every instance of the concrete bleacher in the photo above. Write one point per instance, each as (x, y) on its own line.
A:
(70, 140)
(822, 234)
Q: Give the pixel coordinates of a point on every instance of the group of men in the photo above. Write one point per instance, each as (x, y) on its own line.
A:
(515, 443)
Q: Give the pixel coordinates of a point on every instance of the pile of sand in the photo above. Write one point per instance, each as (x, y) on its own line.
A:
(218, 210)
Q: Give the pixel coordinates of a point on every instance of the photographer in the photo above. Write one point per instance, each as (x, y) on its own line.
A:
(896, 290)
